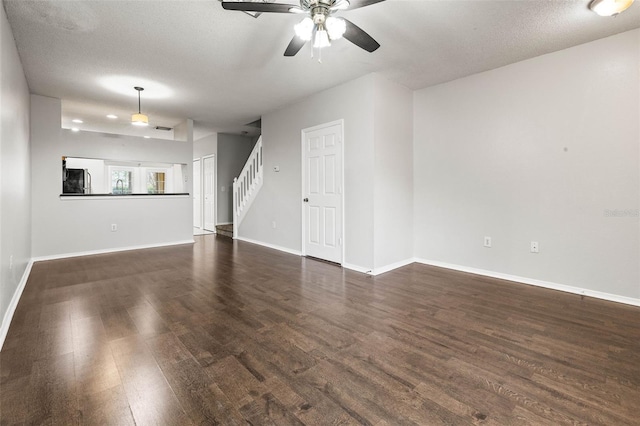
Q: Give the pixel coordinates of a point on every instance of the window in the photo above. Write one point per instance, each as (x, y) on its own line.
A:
(121, 181)
(155, 182)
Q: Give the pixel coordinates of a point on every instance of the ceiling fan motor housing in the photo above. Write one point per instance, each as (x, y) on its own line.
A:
(319, 15)
(319, 9)
(310, 4)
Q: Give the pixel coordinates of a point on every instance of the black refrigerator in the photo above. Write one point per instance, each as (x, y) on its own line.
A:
(76, 181)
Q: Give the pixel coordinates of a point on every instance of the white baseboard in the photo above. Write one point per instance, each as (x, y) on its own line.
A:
(299, 253)
(11, 309)
(538, 283)
(271, 246)
(357, 268)
(380, 270)
(224, 223)
(111, 250)
(391, 267)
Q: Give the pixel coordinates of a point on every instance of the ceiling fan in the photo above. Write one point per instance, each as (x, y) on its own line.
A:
(320, 25)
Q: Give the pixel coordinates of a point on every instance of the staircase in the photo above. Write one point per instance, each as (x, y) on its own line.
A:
(247, 185)
(225, 230)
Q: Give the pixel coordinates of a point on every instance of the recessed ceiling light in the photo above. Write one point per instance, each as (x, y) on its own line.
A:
(112, 116)
(75, 129)
(77, 120)
(147, 137)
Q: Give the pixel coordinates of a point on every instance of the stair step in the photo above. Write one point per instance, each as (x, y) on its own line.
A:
(225, 230)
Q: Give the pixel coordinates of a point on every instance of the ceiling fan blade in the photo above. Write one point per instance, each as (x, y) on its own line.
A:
(249, 6)
(294, 47)
(359, 37)
(356, 4)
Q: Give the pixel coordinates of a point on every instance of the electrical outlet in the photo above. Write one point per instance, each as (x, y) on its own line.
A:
(114, 227)
(534, 247)
(487, 242)
(10, 262)
(273, 224)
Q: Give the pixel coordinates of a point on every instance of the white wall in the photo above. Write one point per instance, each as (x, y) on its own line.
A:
(15, 186)
(62, 226)
(378, 172)
(393, 172)
(233, 151)
(184, 131)
(280, 198)
(205, 146)
(537, 150)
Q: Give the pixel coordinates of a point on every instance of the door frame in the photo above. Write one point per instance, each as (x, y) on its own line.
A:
(215, 191)
(200, 206)
(303, 132)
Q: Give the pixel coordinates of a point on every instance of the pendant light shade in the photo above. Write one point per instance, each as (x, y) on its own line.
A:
(139, 119)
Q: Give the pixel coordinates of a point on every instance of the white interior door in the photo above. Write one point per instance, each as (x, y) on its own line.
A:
(209, 188)
(197, 195)
(322, 191)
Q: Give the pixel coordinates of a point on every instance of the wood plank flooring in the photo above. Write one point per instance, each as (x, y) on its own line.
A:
(231, 333)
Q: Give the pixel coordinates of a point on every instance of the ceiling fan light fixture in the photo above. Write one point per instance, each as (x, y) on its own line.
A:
(304, 29)
(322, 39)
(610, 7)
(340, 5)
(139, 119)
(317, 27)
(336, 28)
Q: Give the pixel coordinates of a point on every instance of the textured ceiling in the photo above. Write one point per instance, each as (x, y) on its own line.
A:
(224, 69)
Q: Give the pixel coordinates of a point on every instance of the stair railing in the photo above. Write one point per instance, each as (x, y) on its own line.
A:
(247, 185)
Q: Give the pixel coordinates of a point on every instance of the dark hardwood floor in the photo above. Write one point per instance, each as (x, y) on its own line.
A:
(233, 333)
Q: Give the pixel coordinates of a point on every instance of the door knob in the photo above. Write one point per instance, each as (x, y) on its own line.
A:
(306, 200)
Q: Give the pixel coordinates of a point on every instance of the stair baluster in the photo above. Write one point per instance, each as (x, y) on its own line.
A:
(247, 185)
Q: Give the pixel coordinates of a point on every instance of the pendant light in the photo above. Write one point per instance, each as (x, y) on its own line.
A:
(139, 119)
